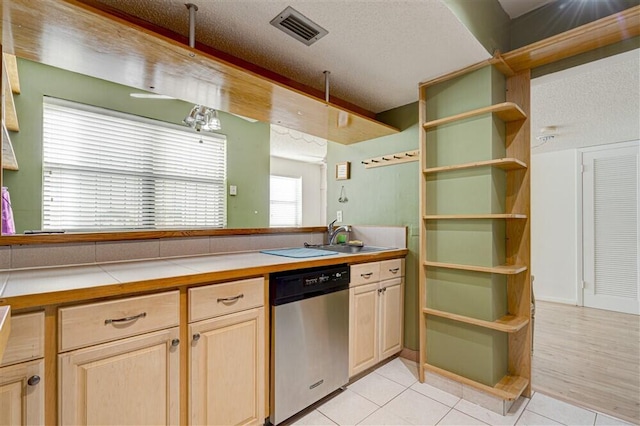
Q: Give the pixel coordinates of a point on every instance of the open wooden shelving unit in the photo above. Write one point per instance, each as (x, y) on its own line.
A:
(517, 322)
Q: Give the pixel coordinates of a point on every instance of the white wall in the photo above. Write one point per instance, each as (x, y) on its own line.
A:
(554, 213)
(314, 187)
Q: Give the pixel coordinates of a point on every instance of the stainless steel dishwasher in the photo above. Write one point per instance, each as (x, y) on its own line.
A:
(309, 337)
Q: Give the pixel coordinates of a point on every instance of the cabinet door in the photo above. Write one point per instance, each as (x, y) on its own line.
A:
(391, 317)
(22, 394)
(227, 374)
(363, 328)
(133, 381)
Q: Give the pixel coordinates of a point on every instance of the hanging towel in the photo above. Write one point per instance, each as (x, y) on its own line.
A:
(8, 226)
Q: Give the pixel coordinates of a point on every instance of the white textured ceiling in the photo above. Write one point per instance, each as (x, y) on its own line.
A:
(377, 50)
(592, 104)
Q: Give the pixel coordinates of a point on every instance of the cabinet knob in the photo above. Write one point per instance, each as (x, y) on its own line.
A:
(175, 342)
(33, 380)
(196, 337)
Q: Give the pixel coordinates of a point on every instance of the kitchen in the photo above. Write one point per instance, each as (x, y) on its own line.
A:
(410, 138)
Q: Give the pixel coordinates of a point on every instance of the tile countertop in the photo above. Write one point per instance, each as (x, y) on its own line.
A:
(25, 288)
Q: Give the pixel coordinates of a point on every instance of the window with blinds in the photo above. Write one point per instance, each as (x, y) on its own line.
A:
(285, 201)
(104, 170)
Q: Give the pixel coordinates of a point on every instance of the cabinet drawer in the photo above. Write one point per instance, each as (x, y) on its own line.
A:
(393, 268)
(220, 299)
(26, 340)
(105, 321)
(365, 273)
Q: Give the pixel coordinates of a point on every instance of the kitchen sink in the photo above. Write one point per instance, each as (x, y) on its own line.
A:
(344, 248)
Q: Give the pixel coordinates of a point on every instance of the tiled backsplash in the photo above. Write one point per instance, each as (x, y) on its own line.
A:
(33, 256)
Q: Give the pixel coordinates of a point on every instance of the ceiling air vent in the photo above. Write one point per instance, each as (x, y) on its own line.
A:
(298, 26)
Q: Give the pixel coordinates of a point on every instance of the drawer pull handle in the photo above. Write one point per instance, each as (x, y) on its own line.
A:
(175, 342)
(230, 299)
(196, 337)
(125, 319)
(367, 275)
(394, 270)
(33, 380)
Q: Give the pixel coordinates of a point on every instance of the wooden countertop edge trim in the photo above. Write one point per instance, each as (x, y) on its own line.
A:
(197, 278)
(5, 328)
(146, 235)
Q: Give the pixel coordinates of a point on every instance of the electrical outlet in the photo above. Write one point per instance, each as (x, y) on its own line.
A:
(339, 216)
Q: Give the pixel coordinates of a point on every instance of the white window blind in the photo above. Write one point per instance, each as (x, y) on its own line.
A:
(285, 201)
(105, 170)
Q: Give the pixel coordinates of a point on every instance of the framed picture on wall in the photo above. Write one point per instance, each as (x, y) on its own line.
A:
(343, 170)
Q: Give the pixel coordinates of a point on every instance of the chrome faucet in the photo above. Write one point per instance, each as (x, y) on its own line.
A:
(333, 233)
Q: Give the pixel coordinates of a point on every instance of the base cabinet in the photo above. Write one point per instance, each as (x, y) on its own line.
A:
(22, 394)
(227, 364)
(363, 328)
(132, 381)
(227, 369)
(22, 372)
(375, 314)
(391, 317)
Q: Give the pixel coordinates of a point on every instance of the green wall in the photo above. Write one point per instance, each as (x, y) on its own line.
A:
(247, 143)
(486, 20)
(383, 195)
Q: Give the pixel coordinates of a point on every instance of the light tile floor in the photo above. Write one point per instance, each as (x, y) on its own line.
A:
(392, 395)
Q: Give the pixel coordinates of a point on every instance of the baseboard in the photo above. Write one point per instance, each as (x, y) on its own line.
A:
(572, 302)
(409, 354)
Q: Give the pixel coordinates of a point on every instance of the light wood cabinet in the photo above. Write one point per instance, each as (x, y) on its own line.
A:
(227, 373)
(22, 372)
(131, 378)
(22, 394)
(375, 314)
(363, 328)
(391, 317)
(132, 381)
(227, 369)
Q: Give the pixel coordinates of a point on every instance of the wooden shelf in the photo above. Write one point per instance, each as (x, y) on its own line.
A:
(502, 269)
(507, 323)
(506, 111)
(10, 114)
(9, 161)
(5, 327)
(11, 64)
(475, 216)
(500, 163)
(509, 388)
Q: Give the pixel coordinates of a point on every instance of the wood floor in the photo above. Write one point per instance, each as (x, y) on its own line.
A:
(589, 357)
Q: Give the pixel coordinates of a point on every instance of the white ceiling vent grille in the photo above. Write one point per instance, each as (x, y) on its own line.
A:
(298, 26)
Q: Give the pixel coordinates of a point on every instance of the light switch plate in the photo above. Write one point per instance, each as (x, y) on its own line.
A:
(233, 190)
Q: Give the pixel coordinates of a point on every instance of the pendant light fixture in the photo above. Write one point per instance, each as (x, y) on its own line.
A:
(202, 118)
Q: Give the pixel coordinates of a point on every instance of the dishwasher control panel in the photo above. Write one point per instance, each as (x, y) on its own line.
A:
(286, 287)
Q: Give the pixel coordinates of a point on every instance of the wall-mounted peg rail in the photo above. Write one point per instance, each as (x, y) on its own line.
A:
(391, 159)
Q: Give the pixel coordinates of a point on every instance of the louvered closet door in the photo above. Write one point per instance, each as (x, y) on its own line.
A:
(610, 223)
